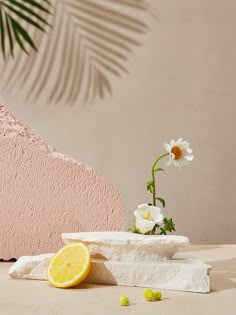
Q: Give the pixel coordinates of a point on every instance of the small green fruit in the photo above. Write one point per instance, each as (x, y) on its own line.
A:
(157, 295)
(124, 301)
(148, 294)
(146, 291)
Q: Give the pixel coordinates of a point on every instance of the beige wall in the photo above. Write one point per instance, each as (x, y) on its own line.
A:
(181, 83)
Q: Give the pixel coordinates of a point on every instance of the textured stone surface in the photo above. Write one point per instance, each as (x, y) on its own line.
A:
(44, 193)
(31, 267)
(182, 275)
(128, 246)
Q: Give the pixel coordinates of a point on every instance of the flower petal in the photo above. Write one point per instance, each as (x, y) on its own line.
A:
(138, 214)
(189, 157)
(172, 143)
(154, 213)
(144, 226)
(184, 145)
(176, 164)
(154, 209)
(167, 147)
(179, 140)
(160, 218)
(141, 214)
(143, 206)
(186, 151)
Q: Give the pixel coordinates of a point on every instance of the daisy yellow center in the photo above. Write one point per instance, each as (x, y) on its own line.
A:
(147, 215)
(177, 152)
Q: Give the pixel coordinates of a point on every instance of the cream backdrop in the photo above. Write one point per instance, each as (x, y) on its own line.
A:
(181, 82)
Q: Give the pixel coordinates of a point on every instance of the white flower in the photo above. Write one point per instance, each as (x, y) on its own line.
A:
(146, 217)
(179, 152)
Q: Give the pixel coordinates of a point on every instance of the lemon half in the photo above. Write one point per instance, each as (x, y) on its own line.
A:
(70, 266)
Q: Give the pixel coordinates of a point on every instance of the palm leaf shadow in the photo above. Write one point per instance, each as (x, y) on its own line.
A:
(91, 41)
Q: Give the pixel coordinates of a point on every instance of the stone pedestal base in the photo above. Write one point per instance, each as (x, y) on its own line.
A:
(182, 275)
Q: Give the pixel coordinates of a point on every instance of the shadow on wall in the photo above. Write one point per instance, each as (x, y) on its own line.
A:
(90, 42)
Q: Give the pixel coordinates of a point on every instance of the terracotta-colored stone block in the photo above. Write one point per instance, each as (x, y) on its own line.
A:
(44, 193)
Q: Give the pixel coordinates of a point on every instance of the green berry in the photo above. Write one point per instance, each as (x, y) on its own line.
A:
(157, 295)
(124, 301)
(146, 291)
(148, 294)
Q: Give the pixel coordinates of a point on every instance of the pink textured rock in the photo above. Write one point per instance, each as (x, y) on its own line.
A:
(44, 193)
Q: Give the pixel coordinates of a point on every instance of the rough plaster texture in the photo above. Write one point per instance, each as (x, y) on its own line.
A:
(44, 193)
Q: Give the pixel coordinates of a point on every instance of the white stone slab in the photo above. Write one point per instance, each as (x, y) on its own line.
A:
(181, 275)
(30, 267)
(128, 246)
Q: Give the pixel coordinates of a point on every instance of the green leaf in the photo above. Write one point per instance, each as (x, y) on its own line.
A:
(162, 201)
(17, 37)
(169, 225)
(47, 1)
(159, 170)
(11, 44)
(12, 15)
(2, 32)
(37, 5)
(163, 232)
(149, 183)
(150, 186)
(137, 230)
(18, 30)
(24, 17)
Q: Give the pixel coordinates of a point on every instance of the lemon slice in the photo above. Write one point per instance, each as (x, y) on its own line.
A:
(69, 266)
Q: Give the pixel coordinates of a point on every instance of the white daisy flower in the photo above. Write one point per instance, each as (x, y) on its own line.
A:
(146, 217)
(179, 152)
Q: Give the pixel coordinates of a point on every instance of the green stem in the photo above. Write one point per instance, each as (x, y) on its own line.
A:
(153, 177)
